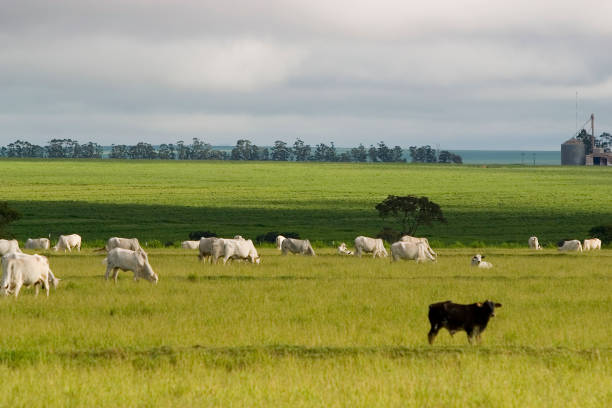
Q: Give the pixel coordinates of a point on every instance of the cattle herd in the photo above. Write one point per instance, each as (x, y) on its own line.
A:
(19, 269)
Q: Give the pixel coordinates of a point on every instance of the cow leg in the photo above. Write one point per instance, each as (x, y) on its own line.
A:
(36, 289)
(470, 335)
(17, 289)
(108, 269)
(115, 274)
(432, 333)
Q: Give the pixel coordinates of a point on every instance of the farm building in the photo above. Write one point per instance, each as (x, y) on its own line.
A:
(574, 151)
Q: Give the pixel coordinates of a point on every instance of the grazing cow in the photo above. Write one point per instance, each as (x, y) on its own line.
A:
(127, 260)
(414, 240)
(37, 243)
(279, 241)
(533, 243)
(454, 317)
(407, 250)
(477, 260)
(19, 255)
(297, 246)
(234, 249)
(8, 246)
(190, 244)
(370, 245)
(571, 245)
(124, 243)
(593, 243)
(25, 270)
(67, 242)
(343, 250)
(206, 247)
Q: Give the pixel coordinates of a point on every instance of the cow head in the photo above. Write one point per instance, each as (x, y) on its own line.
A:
(489, 307)
(476, 259)
(145, 270)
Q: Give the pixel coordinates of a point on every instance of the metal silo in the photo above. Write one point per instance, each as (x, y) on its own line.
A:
(573, 153)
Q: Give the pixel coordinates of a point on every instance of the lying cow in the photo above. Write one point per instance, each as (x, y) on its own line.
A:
(415, 251)
(593, 243)
(234, 249)
(343, 250)
(25, 270)
(67, 242)
(414, 240)
(297, 246)
(8, 246)
(206, 247)
(473, 319)
(477, 261)
(571, 245)
(533, 243)
(127, 260)
(37, 243)
(279, 241)
(375, 246)
(190, 244)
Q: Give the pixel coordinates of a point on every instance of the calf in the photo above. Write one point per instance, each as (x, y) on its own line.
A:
(477, 260)
(343, 250)
(454, 317)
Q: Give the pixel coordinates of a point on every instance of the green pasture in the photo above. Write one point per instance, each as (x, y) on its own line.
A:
(164, 201)
(300, 331)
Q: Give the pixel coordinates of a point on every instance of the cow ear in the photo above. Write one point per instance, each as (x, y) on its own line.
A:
(482, 257)
(498, 305)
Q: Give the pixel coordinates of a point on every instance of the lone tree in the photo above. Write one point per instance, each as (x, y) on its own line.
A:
(410, 211)
(7, 215)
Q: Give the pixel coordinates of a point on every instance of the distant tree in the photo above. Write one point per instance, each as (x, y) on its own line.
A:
(280, 151)
(410, 211)
(166, 152)
(263, 154)
(423, 154)
(62, 148)
(21, 148)
(141, 151)
(245, 150)
(383, 152)
(373, 154)
(7, 215)
(182, 152)
(586, 140)
(604, 141)
(200, 150)
(301, 151)
(359, 153)
(119, 152)
(325, 153)
(397, 153)
(90, 151)
(344, 157)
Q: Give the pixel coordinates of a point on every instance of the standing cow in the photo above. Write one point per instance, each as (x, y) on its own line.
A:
(8, 246)
(67, 242)
(234, 249)
(375, 246)
(593, 243)
(190, 244)
(124, 243)
(472, 319)
(571, 245)
(206, 248)
(25, 270)
(279, 242)
(406, 250)
(297, 246)
(37, 243)
(414, 240)
(127, 260)
(533, 243)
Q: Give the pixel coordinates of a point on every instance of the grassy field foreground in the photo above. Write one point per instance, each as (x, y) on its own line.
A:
(323, 331)
(165, 200)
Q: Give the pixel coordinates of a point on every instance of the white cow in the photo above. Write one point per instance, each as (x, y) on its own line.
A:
(124, 243)
(414, 240)
(238, 237)
(127, 260)
(370, 245)
(279, 241)
(477, 260)
(297, 246)
(206, 247)
(408, 250)
(533, 243)
(52, 279)
(37, 243)
(67, 242)
(235, 249)
(343, 250)
(572, 245)
(593, 243)
(8, 246)
(25, 270)
(190, 244)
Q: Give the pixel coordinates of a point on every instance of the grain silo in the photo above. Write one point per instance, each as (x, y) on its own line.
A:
(573, 153)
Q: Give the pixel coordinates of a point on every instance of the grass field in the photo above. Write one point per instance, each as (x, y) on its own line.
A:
(164, 201)
(323, 331)
(299, 331)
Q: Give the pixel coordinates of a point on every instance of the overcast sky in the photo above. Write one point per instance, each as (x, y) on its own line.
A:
(458, 74)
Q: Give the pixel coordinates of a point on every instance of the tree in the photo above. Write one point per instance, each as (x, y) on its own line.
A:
(586, 140)
(373, 154)
(423, 154)
(245, 150)
(166, 152)
(325, 153)
(410, 211)
(359, 154)
(7, 215)
(119, 152)
(301, 151)
(280, 151)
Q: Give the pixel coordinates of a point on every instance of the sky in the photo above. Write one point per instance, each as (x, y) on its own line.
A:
(470, 74)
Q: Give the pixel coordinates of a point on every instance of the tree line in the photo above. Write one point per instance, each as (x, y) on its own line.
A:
(244, 150)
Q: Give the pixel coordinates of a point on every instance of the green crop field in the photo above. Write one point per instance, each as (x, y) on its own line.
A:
(164, 201)
(295, 331)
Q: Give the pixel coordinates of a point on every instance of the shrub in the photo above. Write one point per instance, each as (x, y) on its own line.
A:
(270, 236)
(196, 235)
(603, 232)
